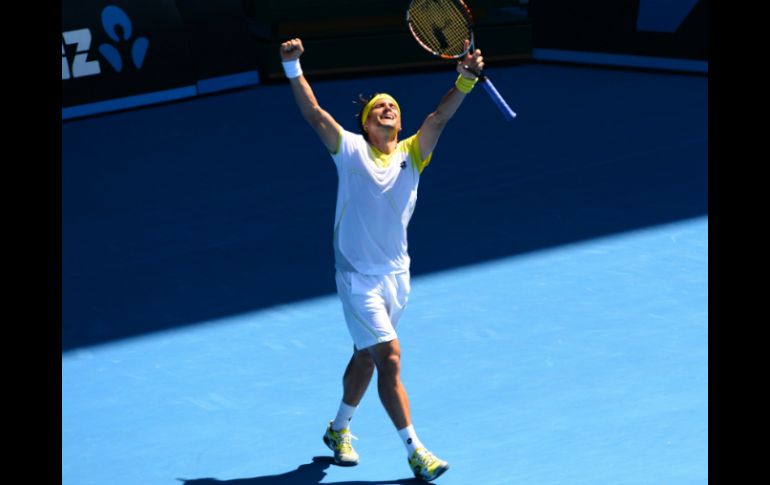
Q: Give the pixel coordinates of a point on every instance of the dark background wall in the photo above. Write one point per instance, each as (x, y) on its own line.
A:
(166, 63)
(192, 40)
(186, 41)
(658, 28)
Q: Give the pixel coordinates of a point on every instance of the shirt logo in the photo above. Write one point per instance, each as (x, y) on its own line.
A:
(403, 165)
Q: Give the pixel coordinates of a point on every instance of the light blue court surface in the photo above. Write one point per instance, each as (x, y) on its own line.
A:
(557, 328)
(583, 363)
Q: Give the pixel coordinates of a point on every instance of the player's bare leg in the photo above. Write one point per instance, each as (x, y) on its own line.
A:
(355, 381)
(387, 358)
(357, 376)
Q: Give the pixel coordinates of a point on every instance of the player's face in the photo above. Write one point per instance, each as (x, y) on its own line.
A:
(385, 113)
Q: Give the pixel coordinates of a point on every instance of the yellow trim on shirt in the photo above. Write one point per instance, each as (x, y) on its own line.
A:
(414, 150)
(409, 146)
(382, 160)
(339, 142)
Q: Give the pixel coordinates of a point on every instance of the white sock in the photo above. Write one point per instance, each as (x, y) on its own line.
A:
(411, 441)
(344, 415)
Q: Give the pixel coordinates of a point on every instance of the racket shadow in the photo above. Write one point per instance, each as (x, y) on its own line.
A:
(306, 474)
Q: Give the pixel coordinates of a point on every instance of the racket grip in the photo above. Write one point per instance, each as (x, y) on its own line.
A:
(499, 101)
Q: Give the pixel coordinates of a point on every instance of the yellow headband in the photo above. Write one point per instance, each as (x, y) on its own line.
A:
(371, 103)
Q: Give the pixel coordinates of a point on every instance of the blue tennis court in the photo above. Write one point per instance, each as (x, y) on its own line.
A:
(557, 329)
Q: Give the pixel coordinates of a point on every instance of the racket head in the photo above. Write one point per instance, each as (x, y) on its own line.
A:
(441, 27)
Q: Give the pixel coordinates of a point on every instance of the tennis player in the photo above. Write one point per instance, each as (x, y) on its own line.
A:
(377, 191)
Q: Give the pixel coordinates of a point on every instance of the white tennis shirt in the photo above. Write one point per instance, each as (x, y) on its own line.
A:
(376, 195)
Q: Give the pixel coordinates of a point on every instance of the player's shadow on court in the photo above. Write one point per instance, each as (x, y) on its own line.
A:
(307, 474)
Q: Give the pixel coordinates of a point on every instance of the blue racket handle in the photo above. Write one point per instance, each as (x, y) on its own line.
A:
(499, 101)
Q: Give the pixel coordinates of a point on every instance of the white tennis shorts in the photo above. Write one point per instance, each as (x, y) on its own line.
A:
(372, 305)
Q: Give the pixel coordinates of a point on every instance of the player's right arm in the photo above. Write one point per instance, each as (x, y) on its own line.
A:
(321, 121)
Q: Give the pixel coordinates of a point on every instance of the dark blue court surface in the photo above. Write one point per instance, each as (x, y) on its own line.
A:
(557, 331)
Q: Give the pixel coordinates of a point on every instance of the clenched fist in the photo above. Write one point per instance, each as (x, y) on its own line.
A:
(291, 49)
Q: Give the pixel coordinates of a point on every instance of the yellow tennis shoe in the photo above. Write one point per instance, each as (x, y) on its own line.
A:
(339, 443)
(426, 465)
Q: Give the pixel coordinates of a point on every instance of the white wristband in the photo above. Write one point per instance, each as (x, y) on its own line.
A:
(292, 68)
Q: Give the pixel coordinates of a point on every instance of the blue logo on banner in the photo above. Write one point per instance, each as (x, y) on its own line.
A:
(663, 15)
(118, 27)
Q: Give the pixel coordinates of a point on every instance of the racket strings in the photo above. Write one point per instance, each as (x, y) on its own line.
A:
(441, 25)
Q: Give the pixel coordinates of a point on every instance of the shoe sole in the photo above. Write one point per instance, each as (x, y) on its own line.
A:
(338, 462)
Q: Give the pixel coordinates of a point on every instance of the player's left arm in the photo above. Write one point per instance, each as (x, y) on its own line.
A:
(434, 124)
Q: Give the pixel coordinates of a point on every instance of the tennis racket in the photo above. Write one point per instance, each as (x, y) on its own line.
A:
(441, 27)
